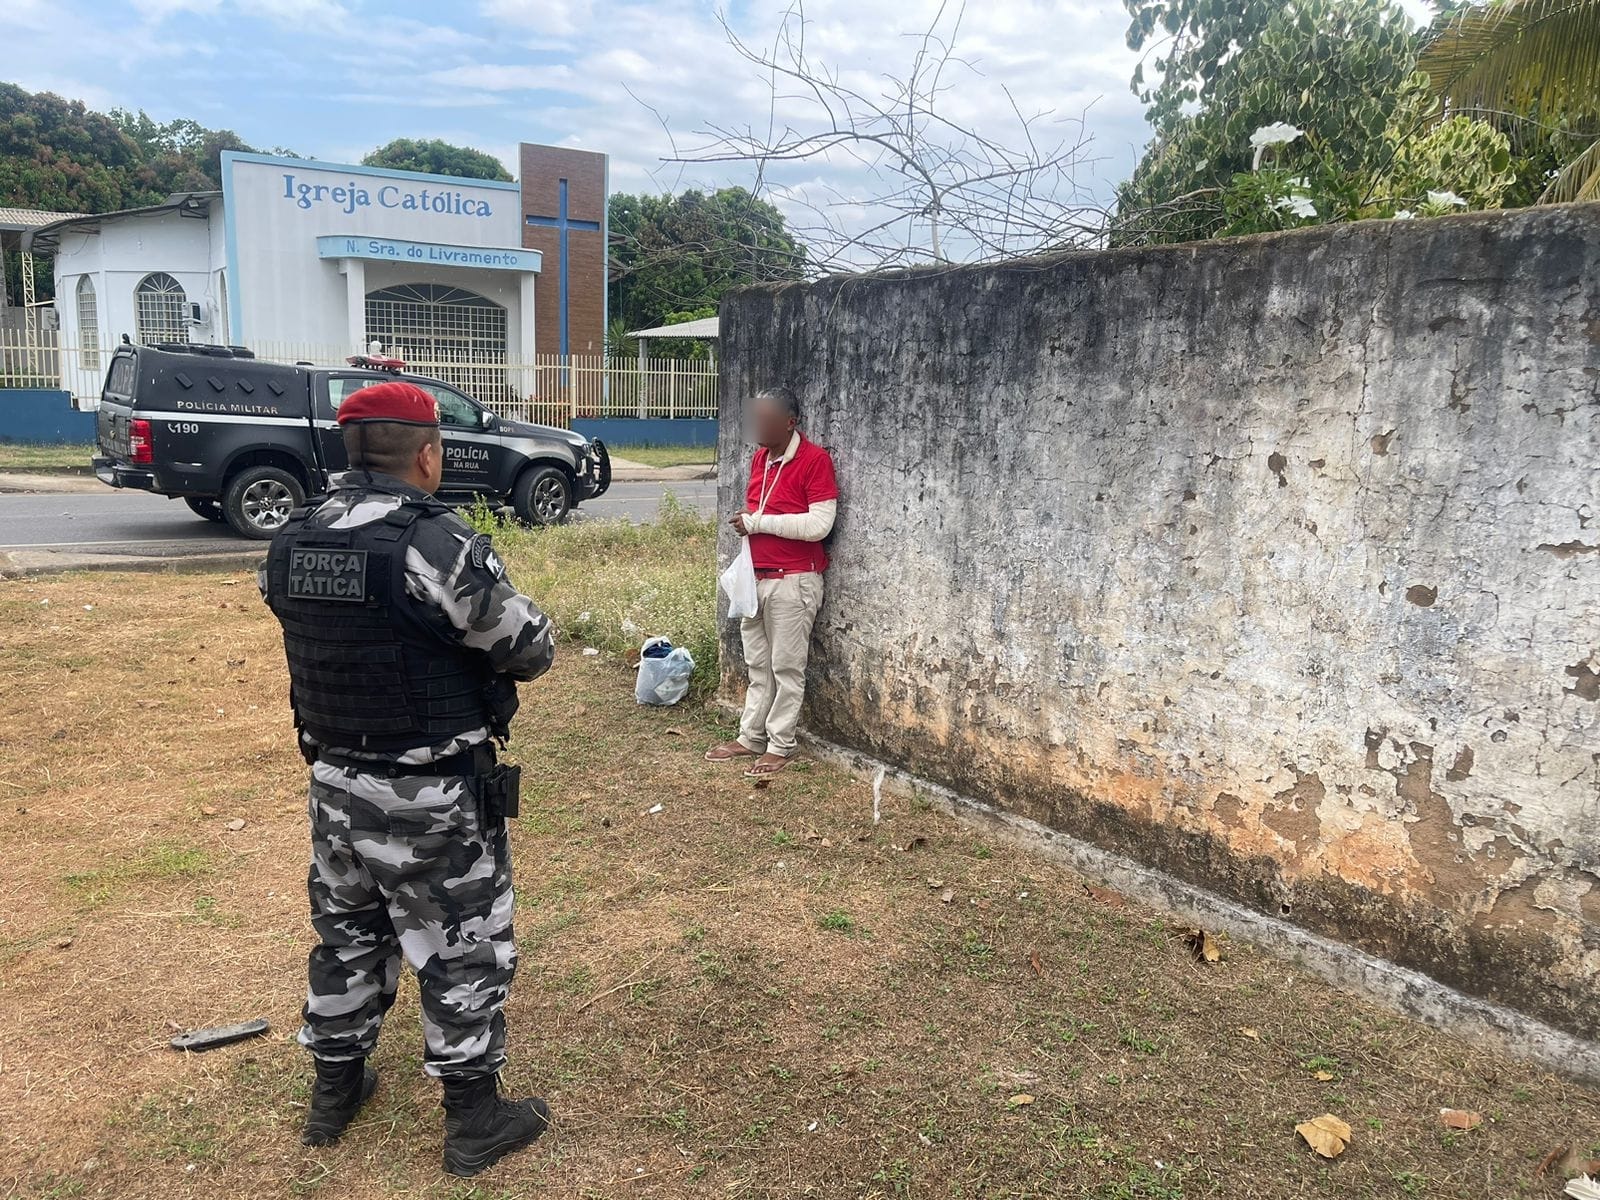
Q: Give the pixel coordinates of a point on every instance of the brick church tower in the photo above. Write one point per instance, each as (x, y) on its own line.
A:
(564, 217)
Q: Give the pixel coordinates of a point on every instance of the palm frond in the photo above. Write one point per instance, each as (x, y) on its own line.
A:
(1577, 180)
(1520, 53)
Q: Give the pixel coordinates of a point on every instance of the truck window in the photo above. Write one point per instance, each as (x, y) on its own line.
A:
(454, 408)
(120, 380)
(340, 386)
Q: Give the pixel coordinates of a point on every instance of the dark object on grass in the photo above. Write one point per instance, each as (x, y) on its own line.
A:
(220, 1035)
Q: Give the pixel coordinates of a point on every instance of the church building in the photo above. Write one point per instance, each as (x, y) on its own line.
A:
(303, 259)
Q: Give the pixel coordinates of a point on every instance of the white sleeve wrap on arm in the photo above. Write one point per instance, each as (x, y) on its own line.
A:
(810, 526)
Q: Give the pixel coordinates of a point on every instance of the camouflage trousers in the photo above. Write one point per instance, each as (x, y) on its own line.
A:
(408, 868)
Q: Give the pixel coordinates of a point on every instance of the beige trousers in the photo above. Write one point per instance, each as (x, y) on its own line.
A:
(777, 642)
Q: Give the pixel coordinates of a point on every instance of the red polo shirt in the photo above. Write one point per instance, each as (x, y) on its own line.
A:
(791, 485)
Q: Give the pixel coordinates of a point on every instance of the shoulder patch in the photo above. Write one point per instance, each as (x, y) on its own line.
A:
(483, 552)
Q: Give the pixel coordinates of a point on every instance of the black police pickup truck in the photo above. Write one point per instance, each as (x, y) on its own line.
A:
(244, 441)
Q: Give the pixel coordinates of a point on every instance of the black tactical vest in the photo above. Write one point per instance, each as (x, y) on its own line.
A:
(366, 670)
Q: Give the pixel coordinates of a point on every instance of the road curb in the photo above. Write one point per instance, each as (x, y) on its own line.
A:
(29, 564)
(31, 483)
(661, 474)
(28, 483)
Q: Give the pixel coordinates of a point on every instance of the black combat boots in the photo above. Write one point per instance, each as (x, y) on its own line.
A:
(481, 1126)
(342, 1088)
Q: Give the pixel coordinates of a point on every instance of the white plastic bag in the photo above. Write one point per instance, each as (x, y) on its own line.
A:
(738, 583)
(663, 678)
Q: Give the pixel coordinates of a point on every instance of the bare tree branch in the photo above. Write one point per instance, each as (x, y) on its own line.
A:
(937, 190)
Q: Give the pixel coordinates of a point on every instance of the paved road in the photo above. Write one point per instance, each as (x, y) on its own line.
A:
(137, 523)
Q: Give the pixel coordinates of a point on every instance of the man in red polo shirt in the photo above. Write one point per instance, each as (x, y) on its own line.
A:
(790, 505)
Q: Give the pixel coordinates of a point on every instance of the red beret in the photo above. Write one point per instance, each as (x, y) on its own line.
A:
(392, 400)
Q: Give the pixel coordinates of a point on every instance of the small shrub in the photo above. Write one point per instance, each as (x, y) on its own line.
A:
(611, 584)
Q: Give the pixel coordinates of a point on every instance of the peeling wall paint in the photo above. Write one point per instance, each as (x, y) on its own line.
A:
(1272, 563)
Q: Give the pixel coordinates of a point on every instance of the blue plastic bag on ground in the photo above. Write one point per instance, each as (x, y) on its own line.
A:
(664, 673)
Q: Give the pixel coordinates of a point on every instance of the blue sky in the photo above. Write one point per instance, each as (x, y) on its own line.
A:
(334, 78)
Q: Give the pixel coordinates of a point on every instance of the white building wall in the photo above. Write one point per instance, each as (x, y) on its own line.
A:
(121, 254)
(283, 293)
(253, 264)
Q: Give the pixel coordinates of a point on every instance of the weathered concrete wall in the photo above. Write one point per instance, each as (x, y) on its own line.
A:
(1272, 563)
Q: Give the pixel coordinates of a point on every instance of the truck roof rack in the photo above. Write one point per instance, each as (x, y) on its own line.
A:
(201, 348)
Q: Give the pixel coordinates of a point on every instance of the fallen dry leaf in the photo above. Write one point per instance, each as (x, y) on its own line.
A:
(1021, 1099)
(62, 943)
(1253, 1034)
(1569, 1160)
(935, 884)
(915, 843)
(1036, 963)
(1203, 946)
(1557, 1153)
(235, 825)
(1324, 1076)
(1327, 1135)
(946, 896)
(674, 733)
(1459, 1118)
(826, 844)
(207, 810)
(1105, 896)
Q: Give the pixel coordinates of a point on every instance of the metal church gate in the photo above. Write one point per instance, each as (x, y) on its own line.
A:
(459, 334)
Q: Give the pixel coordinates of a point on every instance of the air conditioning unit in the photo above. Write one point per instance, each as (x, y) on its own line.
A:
(197, 314)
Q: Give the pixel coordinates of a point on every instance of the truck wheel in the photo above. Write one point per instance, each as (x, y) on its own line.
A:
(203, 506)
(543, 496)
(259, 500)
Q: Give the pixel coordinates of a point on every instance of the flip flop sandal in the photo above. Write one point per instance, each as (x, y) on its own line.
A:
(759, 772)
(712, 754)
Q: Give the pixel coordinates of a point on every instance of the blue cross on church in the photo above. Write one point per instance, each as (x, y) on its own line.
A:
(562, 223)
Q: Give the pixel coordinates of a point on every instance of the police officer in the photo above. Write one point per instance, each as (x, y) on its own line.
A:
(404, 637)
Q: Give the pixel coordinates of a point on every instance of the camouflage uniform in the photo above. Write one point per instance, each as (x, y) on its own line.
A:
(408, 866)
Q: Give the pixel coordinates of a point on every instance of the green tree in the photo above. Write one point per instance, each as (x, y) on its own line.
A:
(672, 255)
(434, 157)
(1530, 62)
(180, 155)
(57, 155)
(1334, 69)
(1272, 116)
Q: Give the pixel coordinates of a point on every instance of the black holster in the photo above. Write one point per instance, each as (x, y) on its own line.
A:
(500, 791)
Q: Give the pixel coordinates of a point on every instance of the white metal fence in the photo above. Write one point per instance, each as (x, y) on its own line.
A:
(36, 358)
(552, 389)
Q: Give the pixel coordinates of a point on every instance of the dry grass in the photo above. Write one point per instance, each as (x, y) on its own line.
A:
(22, 456)
(753, 994)
(610, 584)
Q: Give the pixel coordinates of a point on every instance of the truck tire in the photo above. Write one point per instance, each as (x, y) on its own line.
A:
(258, 500)
(542, 496)
(204, 506)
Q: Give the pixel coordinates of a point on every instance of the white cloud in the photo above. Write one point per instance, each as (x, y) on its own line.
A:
(160, 10)
(415, 99)
(553, 18)
(493, 77)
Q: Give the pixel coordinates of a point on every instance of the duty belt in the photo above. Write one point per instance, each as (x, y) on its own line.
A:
(474, 761)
